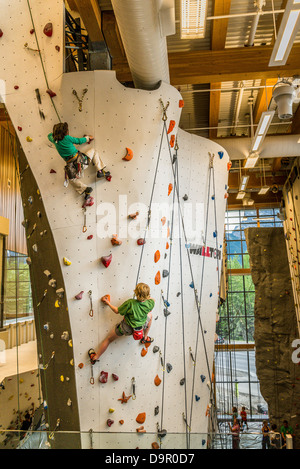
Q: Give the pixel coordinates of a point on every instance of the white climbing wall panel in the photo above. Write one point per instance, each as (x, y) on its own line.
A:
(120, 117)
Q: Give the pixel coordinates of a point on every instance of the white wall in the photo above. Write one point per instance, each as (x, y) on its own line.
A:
(118, 117)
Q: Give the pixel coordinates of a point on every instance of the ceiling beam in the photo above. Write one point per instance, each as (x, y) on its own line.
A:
(237, 64)
(255, 181)
(112, 35)
(218, 40)
(263, 98)
(90, 14)
(219, 27)
(296, 122)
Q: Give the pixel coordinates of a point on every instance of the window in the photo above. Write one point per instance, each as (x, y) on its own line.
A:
(17, 289)
(235, 373)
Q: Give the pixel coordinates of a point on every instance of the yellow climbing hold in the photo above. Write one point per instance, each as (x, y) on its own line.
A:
(62, 378)
(111, 410)
(57, 304)
(29, 139)
(70, 343)
(66, 261)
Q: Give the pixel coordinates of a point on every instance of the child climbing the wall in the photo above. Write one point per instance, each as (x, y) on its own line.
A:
(136, 322)
(76, 161)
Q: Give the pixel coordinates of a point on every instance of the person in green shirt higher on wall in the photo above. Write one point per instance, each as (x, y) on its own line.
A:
(136, 322)
(76, 161)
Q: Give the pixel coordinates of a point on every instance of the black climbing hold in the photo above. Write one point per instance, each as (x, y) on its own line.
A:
(169, 367)
(182, 381)
(162, 433)
(178, 294)
(165, 273)
(185, 197)
(166, 312)
(156, 410)
(155, 349)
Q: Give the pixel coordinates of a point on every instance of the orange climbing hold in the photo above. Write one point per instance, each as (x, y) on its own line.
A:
(115, 241)
(157, 380)
(155, 445)
(105, 298)
(124, 398)
(181, 103)
(170, 188)
(141, 430)
(129, 155)
(141, 417)
(163, 220)
(157, 278)
(167, 245)
(229, 164)
(121, 422)
(172, 141)
(171, 126)
(156, 256)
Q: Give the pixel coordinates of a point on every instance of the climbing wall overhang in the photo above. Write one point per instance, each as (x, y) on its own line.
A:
(121, 118)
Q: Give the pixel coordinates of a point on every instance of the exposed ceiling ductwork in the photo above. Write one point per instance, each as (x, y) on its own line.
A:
(143, 27)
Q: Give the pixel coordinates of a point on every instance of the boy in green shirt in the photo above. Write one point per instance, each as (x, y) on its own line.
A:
(137, 320)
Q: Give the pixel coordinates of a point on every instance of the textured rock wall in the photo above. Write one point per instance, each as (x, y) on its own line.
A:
(275, 326)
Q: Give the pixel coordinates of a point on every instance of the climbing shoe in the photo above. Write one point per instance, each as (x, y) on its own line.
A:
(149, 340)
(87, 192)
(91, 354)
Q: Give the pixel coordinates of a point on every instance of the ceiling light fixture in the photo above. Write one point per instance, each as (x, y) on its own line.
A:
(241, 195)
(251, 161)
(193, 19)
(286, 35)
(244, 183)
(263, 190)
(262, 129)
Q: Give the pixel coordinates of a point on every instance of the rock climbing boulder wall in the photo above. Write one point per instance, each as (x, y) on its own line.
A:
(291, 193)
(275, 325)
(106, 248)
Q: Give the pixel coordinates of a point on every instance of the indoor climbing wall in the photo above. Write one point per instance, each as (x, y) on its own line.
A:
(291, 195)
(179, 189)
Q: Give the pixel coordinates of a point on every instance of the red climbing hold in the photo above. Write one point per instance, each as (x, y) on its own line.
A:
(79, 296)
(141, 241)
(19, 128)
(31, 31)
(170, 188)
(172, 141)
(103, 377)
(181, 103)
(88, 202)
(16, 87)
(156, 256)
(90, 237)
(109, 422)
(129, 155)
(48, 29)
(1, 33)
(52, 171)
(115, 377)
(57, 48)
(106, 260)
(171, 126)
(50, 93)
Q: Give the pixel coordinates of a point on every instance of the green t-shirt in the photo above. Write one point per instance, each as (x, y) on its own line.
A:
(65, 147)
(286, 430)
(135, 312)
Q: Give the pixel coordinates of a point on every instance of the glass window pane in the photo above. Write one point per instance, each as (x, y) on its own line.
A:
(246, 261)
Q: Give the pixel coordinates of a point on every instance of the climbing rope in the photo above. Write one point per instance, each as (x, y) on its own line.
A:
(41, 59)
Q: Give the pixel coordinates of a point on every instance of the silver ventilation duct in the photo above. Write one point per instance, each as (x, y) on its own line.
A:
(143, 27)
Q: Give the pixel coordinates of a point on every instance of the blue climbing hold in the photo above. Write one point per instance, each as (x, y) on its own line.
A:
(210, 295)
(188, 246)
(203, 378)
(225, 187)
(221, 154)
(197, 398)
(166, 303)
(192, 284)
(203, 442)
(215, 234)
(213, 197)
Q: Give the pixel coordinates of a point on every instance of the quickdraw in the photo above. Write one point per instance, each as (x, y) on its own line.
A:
(133, 389)
(165, 117)
(51, 435)
(192, 356)
(92, 381)
(84, 228)
(91, 313)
